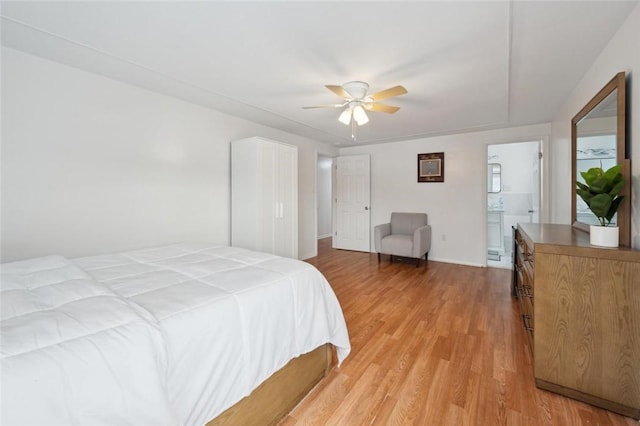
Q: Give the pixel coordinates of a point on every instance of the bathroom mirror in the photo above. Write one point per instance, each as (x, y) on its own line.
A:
(598, 138)
(494, 178)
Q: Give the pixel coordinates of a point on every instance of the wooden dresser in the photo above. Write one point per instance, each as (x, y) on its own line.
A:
(580, 308)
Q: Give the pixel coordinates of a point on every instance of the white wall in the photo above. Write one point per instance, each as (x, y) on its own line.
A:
(456, 207)
(324, 196)
(621, 54)
(516, 161)
(91, 165)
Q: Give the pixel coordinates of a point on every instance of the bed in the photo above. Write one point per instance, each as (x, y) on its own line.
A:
(181, 334)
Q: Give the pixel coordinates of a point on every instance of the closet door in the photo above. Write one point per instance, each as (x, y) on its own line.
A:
(264, 196)
(268, 196)
(286, 223)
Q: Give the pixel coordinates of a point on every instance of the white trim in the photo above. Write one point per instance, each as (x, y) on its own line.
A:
(308, 256)
(457, 262)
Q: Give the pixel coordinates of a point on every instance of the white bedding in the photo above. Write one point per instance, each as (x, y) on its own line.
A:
(228, 319)
(74, 352)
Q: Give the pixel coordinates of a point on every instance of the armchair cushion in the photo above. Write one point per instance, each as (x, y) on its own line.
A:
(398, 244)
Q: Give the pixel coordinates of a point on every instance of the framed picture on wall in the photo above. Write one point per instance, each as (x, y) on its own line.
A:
(431, 167)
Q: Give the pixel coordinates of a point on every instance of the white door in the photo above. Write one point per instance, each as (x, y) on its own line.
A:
(535, 178)
(353, 221)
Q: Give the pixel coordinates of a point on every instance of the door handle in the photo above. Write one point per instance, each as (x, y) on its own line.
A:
(366, 207)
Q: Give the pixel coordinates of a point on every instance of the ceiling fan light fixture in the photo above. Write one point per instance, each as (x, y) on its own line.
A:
(345, 117)
(360, 116)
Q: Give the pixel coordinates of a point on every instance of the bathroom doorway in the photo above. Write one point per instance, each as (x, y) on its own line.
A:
(513, 195)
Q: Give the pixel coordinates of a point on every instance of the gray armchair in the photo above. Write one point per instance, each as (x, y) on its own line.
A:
(406, 235)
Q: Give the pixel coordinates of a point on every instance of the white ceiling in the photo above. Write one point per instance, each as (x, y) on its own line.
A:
(467, 65)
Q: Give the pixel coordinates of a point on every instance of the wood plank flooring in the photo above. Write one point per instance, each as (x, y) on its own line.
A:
(441, 344)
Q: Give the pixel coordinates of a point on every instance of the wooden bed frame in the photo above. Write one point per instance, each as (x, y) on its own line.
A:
(280, 393)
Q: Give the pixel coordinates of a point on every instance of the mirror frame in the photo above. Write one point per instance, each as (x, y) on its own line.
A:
(490, 175)
(624, 213)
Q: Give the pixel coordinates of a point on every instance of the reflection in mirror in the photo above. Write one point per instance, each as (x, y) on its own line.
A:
(494, 178)
(598, 140)
(596, 147)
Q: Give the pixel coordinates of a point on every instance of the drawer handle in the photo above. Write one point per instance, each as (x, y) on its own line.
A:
(526, 319)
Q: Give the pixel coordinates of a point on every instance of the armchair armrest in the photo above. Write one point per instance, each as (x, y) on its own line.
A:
(379, 232)
(421, 241)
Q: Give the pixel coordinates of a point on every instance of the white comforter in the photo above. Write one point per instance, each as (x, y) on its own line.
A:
(74, 352)
(229, 318)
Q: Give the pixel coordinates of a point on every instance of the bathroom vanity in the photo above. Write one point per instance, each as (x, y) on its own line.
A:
(495, 230)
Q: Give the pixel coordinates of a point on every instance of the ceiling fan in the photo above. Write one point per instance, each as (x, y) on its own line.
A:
(357, 102)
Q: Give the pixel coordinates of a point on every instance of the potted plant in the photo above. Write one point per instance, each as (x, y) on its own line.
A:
(601, 192)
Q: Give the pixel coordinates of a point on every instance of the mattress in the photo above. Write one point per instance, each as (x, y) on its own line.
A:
(220, 321)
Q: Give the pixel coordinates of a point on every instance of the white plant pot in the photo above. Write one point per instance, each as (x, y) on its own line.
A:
(604, 236)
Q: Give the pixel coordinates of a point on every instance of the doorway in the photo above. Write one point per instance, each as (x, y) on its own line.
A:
(324, 193)
(513, 195)
(352, 214)
(343, 197)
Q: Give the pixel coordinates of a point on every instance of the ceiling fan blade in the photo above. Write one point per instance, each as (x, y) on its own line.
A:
(381, 108)
(338, 90)
(388, 93)
(325, 106)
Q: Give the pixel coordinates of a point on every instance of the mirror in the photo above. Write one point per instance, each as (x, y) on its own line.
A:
(598, 138)
(494, 178)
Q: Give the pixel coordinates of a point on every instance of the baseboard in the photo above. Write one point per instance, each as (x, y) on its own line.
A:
(616, 407)
(456, 261)
(320, 237)
(308, 256)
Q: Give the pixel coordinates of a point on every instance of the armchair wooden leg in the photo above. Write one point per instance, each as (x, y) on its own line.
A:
(426, 258)
(378, 257)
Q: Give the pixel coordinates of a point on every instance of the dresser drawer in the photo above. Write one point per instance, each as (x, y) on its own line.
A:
(524, 270)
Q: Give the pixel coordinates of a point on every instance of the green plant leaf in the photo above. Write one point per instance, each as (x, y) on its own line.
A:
(600, 205)
(584, 194)
(617, 187)
(613, 172)
(592, 174)
(613, 208)
(599, 185)
(582, 186)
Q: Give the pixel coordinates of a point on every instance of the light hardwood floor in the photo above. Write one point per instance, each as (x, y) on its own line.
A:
(437, 345)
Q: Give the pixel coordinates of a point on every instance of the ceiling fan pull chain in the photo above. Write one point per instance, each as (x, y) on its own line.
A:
(353, 130)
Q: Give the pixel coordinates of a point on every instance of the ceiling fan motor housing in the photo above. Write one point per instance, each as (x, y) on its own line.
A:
(357, 89)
